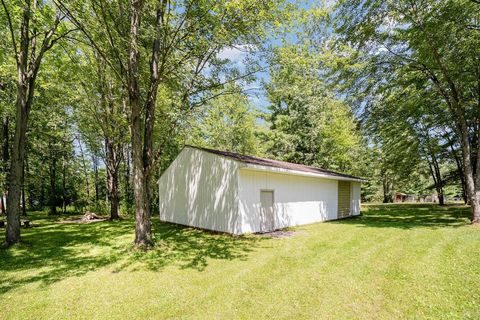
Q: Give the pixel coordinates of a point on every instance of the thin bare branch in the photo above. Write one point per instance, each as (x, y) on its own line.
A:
(12, 34)
(93, 43)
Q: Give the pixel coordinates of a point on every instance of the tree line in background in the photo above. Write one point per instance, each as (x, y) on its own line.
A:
(98, 97)
(415, 67)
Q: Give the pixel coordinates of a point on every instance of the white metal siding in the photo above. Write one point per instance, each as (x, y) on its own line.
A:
(208, 191)
(200, 189)
(298, 200)
(267, 210)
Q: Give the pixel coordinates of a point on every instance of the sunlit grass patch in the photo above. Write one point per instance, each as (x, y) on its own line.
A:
(395, 261)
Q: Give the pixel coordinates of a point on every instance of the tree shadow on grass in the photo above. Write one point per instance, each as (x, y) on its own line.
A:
(52, 251)
(409, 216)
(191, 248)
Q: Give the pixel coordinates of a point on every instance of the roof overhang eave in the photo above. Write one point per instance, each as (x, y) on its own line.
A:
(255, 167)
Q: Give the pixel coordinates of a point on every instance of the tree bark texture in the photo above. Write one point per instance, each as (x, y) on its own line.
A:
(53, 178)
(5, 159)
(387, 190)
(28, 59)
(143, 232)
(112, 178)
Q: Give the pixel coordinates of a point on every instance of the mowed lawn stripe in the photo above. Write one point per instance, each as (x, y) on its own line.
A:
(395, 261)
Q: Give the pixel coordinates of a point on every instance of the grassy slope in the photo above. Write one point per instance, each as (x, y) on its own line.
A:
(396, 261)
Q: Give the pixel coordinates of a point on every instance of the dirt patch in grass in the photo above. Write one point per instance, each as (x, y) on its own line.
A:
(88, 217)
(280, 234)
(79, 221)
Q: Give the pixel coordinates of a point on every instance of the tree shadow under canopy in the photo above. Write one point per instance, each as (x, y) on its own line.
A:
(53, 251)
(409, 216)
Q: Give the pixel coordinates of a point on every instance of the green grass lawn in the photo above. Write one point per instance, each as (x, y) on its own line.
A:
(396, 261)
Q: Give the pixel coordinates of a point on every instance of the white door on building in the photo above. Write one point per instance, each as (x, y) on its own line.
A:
(267, 214)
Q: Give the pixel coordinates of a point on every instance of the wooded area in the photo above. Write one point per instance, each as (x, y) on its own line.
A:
(98, 97)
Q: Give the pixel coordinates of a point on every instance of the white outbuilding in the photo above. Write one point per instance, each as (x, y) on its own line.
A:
(234, 193)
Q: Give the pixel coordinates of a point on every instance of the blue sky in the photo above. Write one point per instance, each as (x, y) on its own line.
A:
(254, 90)
(238, 57)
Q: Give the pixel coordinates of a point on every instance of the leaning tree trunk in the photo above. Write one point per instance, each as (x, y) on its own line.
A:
(454, 101)
(439, 186)
(437, 177)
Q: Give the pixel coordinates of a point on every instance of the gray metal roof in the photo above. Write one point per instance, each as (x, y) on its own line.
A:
(276, 163)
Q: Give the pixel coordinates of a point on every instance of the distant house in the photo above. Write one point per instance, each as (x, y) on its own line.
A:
(403, 197)
(400, 197)
(234, 193)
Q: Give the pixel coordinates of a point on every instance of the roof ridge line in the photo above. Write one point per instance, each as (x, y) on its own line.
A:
(274, 163)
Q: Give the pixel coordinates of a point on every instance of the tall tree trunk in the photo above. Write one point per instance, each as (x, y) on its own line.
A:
(143, 232)
(96, 180)
(5, 142)
(24, 207)
(387, 190)
(2, 204)
(5, 159)
(28, 64)
(461, 172)
(53, 189)
(112, 177)
(18, 156)
(437, 177)
(128, 191)
(42, 198)
(21, 120)
(64, 183)
(441, 197)
(454, 100)
(27, 174)
(85, 171)
(439, 187)
(113, 195)
(473, 189)
(476, 205)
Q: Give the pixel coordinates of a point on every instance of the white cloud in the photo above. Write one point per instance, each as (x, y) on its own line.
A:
(236, 54)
